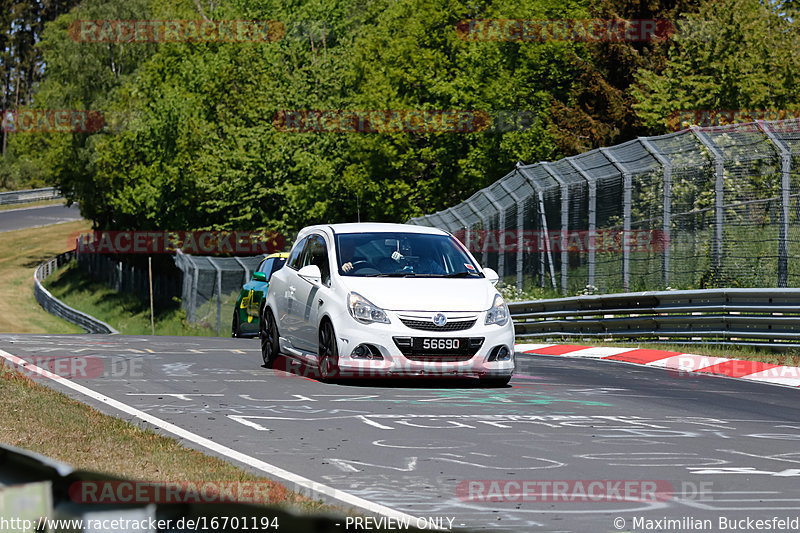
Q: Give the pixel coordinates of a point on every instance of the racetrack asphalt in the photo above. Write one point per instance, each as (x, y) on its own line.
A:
(31, 217)
(714, 448)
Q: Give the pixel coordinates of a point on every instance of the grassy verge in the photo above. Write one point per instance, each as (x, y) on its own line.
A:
(74, 433)
(22, 251)
(42, 420)
(125, 312)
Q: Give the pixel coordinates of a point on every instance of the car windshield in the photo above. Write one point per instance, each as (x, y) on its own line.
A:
(396, 254)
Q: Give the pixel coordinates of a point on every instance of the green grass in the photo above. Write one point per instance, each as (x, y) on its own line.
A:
(22, 251)
(126, 312)
(72, 432)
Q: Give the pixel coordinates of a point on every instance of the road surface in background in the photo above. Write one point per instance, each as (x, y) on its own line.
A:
(31, 217)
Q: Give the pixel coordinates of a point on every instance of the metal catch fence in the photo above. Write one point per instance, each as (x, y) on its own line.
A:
(699, 208)
(208, 278)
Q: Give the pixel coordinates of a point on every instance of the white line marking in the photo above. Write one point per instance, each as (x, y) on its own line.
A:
(773, 457)
(312, 488)
(373, 423)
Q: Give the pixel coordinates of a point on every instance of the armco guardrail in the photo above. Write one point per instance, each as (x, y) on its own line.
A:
(36, 490)
(30, 195)
(764, 316)
(54, 306)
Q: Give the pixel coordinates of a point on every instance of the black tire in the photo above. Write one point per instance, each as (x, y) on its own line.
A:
(495, 381)
(235, 332)
(268, 331)
(328, 353)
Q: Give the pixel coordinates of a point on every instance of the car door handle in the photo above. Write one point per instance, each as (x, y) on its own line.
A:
(320, 302)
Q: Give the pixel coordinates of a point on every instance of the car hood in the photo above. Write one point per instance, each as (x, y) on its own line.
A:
(424, 294)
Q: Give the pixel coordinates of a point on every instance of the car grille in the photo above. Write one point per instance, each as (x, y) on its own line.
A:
(440, 358)
(470, 347)
(426, 325)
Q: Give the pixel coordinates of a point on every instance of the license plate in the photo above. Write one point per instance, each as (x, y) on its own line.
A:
(429, 344)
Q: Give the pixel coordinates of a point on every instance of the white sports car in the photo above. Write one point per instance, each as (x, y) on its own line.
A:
(380, 300)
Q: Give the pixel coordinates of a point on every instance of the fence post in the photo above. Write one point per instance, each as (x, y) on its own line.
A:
(501, 218)
(120, 275)
(219, 295)
(520, 227)
(546, 256)
(467, 233)
(719, 198)
(485, 254)
(564, 223)
(246, 270)
(627, 186)
(666, 168)
(592, 181)
(193, 291)
(546, 242)
(786, 167)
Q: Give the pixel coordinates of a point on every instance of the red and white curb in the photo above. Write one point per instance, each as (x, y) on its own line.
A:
(677, 362)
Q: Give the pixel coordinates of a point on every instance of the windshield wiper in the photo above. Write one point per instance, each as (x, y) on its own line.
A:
(391, 275)
(461, 274)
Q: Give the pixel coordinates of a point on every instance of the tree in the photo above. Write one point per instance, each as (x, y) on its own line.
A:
(731, 55)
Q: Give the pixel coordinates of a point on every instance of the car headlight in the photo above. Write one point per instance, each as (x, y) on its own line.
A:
(365, 311)
(498, 313)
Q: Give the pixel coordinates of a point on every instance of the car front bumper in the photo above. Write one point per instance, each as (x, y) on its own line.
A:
(380, 338)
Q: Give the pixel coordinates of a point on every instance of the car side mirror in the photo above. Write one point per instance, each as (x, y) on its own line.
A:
(259, 276)
(491, 275)
(311, 274)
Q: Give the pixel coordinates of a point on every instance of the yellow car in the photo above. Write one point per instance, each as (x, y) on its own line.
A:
(248, 305)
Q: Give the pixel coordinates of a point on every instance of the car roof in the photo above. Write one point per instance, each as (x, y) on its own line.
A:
(374, 227)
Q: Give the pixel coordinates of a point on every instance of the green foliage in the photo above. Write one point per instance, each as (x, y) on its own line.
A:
(197, 148)
(731, 55)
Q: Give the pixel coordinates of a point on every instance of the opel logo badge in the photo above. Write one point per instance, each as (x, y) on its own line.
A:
(439, 320)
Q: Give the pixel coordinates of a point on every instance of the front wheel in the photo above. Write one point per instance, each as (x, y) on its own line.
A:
(328, 353)
(268, 331)
(235, 331)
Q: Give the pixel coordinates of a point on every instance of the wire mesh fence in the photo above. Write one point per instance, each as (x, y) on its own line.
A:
(699, 208)
(213, 280)
(129, 274)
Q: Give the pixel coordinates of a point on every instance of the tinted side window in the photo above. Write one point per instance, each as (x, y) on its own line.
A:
(318, 255)
(265, 266)
(276, 265)
(297, 254)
